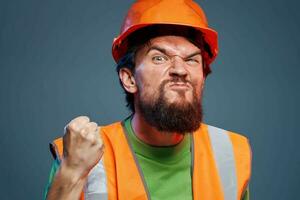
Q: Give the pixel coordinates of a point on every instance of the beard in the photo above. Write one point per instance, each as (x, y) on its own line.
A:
(183, 117)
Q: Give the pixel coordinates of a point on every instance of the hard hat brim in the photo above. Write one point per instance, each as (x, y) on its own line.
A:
(120, 46)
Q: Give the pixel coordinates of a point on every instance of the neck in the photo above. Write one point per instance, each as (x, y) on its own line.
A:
(150, 135)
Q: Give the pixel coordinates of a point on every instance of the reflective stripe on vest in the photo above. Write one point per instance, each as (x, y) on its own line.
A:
(224, 158)
(95, 187)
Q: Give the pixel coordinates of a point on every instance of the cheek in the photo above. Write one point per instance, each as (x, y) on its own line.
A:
(147, 82)
(198, 82)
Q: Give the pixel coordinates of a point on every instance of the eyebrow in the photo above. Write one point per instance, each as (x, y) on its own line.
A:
(164, 51)
(157, 48)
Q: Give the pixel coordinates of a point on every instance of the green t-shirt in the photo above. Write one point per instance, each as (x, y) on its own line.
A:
(166, 170)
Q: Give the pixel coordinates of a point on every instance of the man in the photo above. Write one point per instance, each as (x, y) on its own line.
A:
(162, 151)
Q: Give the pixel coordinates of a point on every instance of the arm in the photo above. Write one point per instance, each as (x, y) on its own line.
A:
(67, 184)
(82, 150)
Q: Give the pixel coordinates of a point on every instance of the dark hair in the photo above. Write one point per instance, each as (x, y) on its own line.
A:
(142, 37)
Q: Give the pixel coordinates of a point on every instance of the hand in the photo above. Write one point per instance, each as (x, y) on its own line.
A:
(83, 147)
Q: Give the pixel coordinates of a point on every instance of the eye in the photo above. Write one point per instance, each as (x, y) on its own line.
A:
(159, 59)
(192, 61)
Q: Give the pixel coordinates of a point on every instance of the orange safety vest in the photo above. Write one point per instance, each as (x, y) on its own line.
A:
(215, 174)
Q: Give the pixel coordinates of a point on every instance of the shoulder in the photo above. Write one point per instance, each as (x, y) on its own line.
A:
(116, 126)
(238, 141)
(213, 130)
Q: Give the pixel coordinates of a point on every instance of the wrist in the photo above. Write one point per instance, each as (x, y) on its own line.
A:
(67, 184)
(72, 174)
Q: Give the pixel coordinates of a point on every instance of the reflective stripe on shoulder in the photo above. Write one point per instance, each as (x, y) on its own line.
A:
(224, 157)
(96, 187)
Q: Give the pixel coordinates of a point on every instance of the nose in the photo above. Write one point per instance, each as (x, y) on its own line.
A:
(178, 67)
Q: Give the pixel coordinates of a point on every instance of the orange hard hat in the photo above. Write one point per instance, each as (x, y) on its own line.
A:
(145, 13)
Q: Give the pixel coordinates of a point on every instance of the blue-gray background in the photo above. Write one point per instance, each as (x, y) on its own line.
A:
(55, 64)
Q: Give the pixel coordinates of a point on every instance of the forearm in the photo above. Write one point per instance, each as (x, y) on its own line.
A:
(67, 185)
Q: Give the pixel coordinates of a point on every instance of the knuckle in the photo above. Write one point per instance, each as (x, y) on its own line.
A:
(84, 118)
(91, 138)
(70, 127)
(80, 120)
(93, 125)
(83, 132)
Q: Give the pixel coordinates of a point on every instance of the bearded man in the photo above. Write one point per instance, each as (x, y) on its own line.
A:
(162, 150)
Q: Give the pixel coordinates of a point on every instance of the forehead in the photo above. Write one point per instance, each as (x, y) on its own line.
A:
(173, 44)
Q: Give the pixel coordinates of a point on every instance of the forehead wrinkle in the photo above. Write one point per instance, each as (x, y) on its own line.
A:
(171, 47)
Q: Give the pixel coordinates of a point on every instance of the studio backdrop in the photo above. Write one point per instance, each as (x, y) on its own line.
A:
(56, 64)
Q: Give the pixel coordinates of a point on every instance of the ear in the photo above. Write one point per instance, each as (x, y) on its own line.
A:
(128, 80)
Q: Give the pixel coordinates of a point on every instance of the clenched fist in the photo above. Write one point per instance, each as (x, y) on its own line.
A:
(83, 147)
